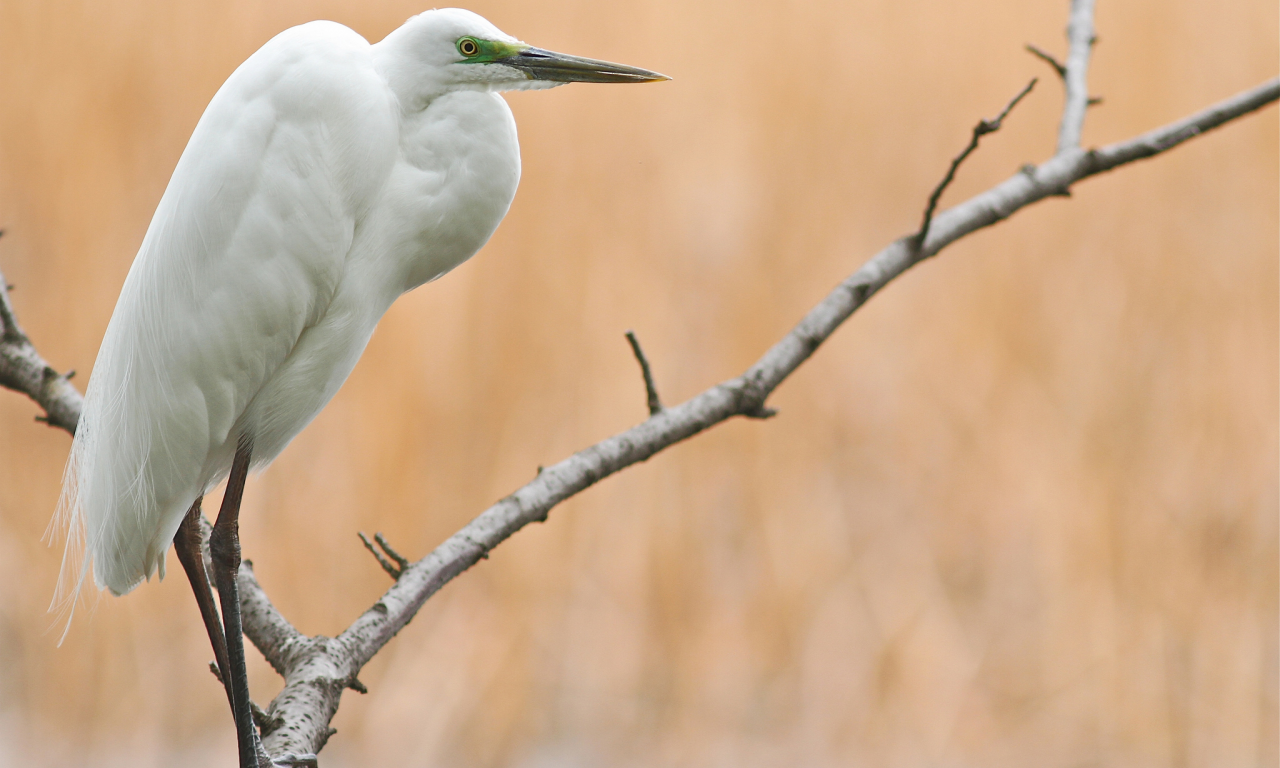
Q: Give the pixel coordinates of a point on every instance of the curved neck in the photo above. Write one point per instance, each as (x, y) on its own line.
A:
(396, 57)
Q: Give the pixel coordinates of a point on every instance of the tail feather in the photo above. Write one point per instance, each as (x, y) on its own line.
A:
(76, 556)
(108, 511)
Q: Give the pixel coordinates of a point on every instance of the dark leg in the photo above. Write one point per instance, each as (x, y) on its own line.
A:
(187, 546)
(224, 544)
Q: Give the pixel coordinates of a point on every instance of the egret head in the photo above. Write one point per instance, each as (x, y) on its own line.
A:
(453, 49)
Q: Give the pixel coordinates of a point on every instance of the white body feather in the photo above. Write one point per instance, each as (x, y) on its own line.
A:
(325, 178)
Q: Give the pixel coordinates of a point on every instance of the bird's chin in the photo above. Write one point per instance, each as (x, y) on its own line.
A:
(500, 77)
(530, 85)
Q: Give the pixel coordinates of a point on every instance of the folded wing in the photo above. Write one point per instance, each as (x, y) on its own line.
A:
(246, 251)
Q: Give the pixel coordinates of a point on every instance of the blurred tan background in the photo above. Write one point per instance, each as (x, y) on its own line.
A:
(1021, 510)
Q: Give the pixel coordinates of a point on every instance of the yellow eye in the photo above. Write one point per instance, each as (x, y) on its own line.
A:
(468, 47)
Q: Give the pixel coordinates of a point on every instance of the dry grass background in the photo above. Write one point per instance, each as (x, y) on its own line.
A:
(1022, 510)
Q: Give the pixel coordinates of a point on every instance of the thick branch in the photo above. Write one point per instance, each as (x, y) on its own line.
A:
(22, 369)
(1076, 78)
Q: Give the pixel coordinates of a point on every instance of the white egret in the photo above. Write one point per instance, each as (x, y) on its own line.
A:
(326, 177)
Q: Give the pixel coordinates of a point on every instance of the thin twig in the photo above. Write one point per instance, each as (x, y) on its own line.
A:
(651, 390)
(399, 559)
(382, 561)
(1060, 68)
(354, 684)
(762, 413)
(1049, 59)
(981, 129)
(265, 722)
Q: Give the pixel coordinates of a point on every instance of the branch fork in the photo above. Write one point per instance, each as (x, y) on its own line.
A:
(392, 562)
(981, 129)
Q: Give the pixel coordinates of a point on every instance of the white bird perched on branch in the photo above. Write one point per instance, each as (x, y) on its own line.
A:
(327, 177)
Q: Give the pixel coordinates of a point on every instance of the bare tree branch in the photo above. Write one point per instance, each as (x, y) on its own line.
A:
(318, 669)
(1173, 134)
(1076, 77)
(22, 369)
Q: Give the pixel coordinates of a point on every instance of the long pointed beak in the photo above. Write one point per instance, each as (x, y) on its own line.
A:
(563, 68)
